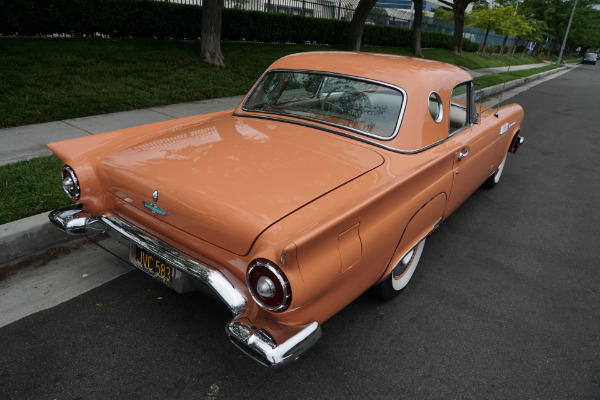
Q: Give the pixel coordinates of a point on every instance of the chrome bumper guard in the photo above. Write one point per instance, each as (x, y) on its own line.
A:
(253, 341)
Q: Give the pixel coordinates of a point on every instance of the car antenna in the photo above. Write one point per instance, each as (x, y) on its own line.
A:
(509, 65)
(505, 79)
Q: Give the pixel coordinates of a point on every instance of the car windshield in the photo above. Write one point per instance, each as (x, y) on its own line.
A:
(591, 56)
(367, 107)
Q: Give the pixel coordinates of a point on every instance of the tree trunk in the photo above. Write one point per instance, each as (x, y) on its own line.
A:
(551, 47)
(503, 44)
(415, 42)
(210, 45)
(487, 32)
(459, 7)
(536, 45)
(459, 25)
(515, 44)
(357, 25)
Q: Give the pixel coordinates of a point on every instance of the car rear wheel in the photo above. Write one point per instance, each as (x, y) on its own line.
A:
(397, 280)
(495, 178)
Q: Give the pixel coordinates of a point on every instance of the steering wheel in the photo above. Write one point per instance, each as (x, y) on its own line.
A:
(331, 106)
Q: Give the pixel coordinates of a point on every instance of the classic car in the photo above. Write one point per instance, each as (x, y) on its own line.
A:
(323, 183)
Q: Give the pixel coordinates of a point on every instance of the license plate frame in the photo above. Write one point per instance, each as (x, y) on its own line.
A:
(152, 264)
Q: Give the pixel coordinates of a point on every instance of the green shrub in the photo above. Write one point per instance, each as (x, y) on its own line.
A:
(147, 18)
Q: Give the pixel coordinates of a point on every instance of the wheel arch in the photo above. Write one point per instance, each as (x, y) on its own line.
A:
(424, 221)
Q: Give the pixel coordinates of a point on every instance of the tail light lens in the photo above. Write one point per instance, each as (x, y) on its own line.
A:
(269, 286)
(70, 183)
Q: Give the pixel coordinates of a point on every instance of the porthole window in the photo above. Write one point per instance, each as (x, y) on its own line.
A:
(435, 107)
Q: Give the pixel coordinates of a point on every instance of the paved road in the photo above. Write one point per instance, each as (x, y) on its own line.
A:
(505, 303)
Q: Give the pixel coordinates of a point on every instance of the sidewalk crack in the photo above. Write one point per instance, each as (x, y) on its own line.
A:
(77, 127)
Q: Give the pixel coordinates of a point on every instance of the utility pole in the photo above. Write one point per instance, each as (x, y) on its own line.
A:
(562, 48)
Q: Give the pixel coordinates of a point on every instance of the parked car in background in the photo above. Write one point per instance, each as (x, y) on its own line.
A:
(589, 58)
(323, 183)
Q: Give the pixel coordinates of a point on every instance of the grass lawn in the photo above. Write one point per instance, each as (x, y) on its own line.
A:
(30, 187)
(47, 79)
(52, 79)
(495, 79)
(567, 59)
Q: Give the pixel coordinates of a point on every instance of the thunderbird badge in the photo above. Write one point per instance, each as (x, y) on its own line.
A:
(154, 209)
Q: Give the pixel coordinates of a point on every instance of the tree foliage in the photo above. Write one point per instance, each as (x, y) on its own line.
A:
(508, 20)
(585, 29)
(379, 16)
(443, 14)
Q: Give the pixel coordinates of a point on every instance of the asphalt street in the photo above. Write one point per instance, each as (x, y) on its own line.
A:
(505, 303)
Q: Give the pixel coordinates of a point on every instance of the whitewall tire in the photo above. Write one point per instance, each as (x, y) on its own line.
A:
(397, 280)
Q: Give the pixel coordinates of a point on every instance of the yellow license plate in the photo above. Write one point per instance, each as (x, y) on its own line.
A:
(153, 264)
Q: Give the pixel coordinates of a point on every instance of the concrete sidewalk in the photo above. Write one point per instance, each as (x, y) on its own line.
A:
(497, 70)
(29, 141)
(34, 235)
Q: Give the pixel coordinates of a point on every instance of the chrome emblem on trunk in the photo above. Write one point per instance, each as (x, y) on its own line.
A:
(154, 209)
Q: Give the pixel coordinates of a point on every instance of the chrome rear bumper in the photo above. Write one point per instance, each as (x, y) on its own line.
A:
(252, 340)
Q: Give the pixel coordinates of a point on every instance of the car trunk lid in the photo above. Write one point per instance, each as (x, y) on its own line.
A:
(226, 180)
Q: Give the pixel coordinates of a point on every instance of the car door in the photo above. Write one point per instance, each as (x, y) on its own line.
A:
(473, 152)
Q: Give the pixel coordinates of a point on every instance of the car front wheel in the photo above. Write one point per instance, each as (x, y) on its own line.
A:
(397, 280)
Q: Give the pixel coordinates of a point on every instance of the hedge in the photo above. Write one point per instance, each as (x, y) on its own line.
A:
(149, 18)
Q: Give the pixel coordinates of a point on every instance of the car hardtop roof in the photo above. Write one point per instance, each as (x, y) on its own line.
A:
(405, 72)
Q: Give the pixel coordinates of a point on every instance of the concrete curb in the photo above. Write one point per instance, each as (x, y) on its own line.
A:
(492, 90)
(28, 237)
(34, 235)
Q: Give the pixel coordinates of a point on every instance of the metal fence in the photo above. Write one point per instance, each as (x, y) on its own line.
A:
(344, 10)
(329, 9)
(473, 34)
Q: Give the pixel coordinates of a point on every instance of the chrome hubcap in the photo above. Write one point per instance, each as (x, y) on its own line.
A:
(403, 264)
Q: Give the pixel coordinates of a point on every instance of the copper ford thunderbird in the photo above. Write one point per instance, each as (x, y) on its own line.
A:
(323, 183)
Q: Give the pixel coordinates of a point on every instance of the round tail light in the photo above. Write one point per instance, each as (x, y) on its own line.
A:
(70, 183)
(269, 286)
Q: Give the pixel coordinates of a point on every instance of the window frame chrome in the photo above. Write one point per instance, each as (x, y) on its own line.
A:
(440, 116)
(336, 75)
(469, 94)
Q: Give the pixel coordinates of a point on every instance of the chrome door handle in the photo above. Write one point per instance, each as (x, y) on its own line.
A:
(462, 155)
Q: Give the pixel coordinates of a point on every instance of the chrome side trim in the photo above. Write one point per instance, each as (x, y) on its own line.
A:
(336, 132)
(253, 341)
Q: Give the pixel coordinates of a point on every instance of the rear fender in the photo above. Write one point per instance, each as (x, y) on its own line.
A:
(422, 223)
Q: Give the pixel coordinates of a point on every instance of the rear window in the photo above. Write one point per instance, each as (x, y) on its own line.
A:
(367, 107)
